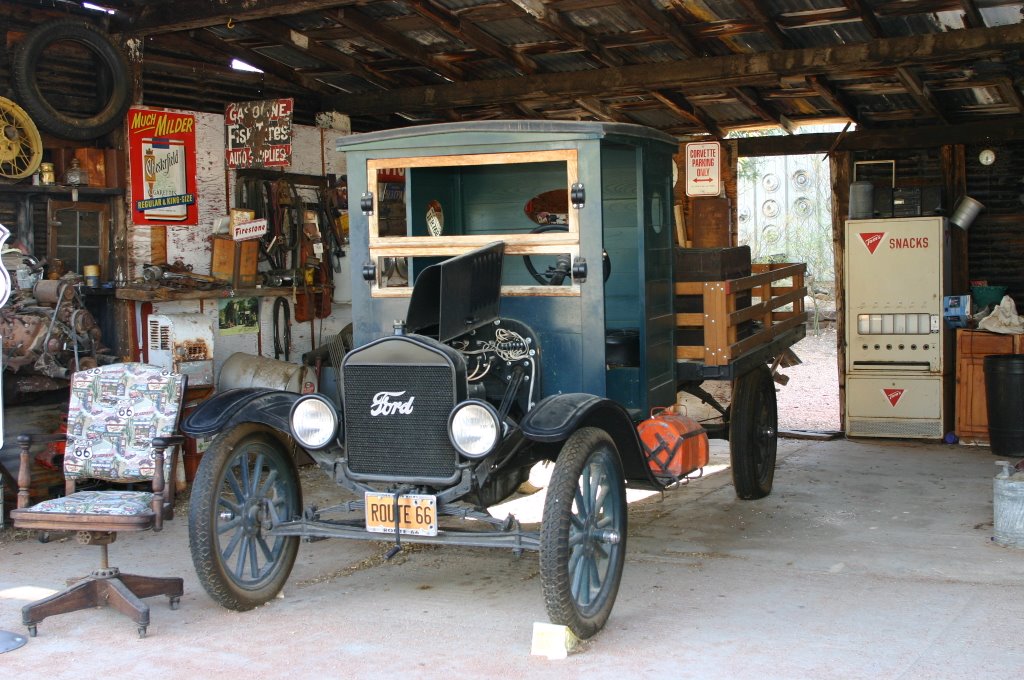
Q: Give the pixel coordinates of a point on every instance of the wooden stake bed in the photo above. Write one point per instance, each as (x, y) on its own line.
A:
(777, 292)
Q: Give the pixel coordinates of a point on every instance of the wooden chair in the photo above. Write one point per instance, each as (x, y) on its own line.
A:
(122, 419)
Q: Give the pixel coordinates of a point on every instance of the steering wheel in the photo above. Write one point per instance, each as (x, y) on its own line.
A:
(555, 276)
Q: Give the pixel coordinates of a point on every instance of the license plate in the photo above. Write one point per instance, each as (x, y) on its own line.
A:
(417, 514)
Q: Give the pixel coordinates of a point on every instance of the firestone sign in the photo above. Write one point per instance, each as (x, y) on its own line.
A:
(703, 168)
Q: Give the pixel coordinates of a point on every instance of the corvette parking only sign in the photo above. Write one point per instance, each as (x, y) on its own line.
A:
(703, 169)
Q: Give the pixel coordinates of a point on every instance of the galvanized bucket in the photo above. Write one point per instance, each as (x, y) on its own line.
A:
(1008, 506)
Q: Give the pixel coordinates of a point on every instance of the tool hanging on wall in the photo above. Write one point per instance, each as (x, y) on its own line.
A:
(282, 346)
(316, 272)
(334, 214)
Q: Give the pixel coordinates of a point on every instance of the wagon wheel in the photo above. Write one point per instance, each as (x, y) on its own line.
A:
(245, 480)
(583, 534)
(21, 147)
(753, 433)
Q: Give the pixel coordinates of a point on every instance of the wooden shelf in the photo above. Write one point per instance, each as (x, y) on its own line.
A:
(59, 190)
(170, 294)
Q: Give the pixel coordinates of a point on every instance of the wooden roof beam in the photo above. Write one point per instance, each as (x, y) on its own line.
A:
(602, 111)
(867, 17)
(553, 21)
(912, 137)
(768, 25)
(396, 42)
(270, 66)
(726, 70)
(279, 33)
(471, 34)
(1011, 95)
(919, 91)
(972, 17)
(782, 41)
(167, 52)
(688, 112)
(171, 17)
(913, 85)
(663, 25)
(833, 98)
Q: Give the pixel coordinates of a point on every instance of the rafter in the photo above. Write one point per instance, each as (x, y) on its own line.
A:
(736, 69)
(266, 64)
(396, 42)
(553, 21)
(687, 111)
(204, 57)
(602, 111)
(911, 82)
(471, 34)
(278, 32)
(169, 17)
(663, 25)
(920, 93)
(972, 17)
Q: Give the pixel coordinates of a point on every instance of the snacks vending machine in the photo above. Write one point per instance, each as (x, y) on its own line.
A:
(898, 350)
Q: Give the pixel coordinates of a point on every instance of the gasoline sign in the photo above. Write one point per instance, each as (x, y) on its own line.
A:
(703, 169)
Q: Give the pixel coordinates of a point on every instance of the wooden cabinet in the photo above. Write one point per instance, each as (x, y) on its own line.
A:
(971, 405)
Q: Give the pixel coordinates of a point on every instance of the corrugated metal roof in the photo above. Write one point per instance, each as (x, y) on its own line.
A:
(465, 42)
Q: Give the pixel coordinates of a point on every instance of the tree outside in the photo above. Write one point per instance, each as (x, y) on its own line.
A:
(784, 210)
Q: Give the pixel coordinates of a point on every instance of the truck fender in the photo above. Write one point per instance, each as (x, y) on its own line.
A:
(244, 405)
(556, 417)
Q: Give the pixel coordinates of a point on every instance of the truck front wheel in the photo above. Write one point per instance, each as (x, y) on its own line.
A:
(245, 481)
(583, 535)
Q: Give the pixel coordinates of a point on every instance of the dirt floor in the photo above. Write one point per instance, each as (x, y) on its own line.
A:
(810, 401)
(870, 560)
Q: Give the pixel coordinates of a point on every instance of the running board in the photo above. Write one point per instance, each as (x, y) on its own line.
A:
(514, 539)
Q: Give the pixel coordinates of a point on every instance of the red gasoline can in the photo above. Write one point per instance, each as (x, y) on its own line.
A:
(675, 445)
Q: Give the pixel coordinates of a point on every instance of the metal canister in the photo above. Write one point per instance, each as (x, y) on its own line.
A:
(46, 175)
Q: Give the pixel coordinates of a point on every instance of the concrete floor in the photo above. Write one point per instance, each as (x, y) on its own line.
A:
(871, 559)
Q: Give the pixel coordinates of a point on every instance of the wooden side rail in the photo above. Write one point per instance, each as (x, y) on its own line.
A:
(778, 306)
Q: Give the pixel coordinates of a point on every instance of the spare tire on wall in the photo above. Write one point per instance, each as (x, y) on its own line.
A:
(106, 57)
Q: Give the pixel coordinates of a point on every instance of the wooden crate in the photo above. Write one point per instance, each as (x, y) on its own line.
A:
(235, 261)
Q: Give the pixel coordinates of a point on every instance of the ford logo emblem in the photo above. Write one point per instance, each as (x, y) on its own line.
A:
(388, 403)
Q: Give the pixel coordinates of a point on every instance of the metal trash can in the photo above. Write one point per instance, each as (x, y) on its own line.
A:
(1004, 391)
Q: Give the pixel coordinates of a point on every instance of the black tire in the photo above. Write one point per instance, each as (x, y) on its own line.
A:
(582, 549)
(753, 433)
(233, 559)
(27, 57)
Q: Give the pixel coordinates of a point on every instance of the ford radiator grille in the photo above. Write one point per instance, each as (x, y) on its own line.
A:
(396, 421)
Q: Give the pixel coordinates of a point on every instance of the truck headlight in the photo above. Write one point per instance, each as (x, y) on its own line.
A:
(314, 421)
(474, 428)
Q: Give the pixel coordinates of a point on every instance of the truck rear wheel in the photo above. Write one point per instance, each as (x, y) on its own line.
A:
(245, 480)
(583, 535)
(753, 433)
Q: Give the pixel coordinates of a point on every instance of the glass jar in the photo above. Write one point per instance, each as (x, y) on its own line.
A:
(75, 174)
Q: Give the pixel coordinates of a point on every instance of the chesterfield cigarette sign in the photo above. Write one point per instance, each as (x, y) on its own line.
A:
(162, 162)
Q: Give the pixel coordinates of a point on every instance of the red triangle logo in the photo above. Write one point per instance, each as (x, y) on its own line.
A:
(872, 239)
(893, 396)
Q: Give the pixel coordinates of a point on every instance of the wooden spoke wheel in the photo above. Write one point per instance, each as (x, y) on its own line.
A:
(21, 147)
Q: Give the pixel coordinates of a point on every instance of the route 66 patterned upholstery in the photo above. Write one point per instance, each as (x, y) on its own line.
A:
(122, 420)
(114, 413)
